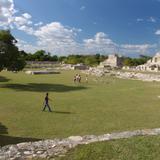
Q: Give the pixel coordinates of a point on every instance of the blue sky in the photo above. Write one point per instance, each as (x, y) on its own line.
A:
(128, 27)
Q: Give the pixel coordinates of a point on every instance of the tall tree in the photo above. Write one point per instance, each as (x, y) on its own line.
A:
(10, 57)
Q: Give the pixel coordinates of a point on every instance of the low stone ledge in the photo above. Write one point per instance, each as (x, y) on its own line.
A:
(58, 147)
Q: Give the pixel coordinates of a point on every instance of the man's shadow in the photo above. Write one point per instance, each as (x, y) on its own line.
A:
(58, 112)
(62, 112)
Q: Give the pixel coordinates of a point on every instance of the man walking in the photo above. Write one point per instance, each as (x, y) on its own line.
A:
(46, 103)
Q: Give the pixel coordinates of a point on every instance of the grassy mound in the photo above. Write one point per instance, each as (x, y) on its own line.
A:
(139, 148)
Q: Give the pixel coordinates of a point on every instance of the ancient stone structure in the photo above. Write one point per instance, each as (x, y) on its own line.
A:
(42, 72)
(151, 65)
(113, 61)
(80, 66)
(48, 149)
(41, 64)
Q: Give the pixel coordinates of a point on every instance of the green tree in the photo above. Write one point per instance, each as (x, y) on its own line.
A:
(91, 61)
(39, 55)
(128, 62)
(10, 57)
(74, 59)
(62, 58)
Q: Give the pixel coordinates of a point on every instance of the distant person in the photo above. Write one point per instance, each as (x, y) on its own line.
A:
(74, 79)
(46, 103)
(86, 79)
(79, 78)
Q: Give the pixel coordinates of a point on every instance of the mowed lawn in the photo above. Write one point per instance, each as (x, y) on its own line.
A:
(137, 148)
(101, 106)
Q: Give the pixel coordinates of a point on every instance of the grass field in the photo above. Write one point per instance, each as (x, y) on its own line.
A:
(98, 107)
(138, 148)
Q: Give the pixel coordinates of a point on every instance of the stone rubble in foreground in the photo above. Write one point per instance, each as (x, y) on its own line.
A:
(48, 149)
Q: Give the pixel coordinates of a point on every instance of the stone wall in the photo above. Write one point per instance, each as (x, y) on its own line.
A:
(48, 149)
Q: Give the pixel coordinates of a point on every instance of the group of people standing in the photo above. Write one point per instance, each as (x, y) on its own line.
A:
(77, 78)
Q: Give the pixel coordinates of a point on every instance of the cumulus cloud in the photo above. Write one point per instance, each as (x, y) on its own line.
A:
(157, 32)
(56, 38)
(8, 19)
(24, 19)
(27, 29)
(137, 48)
(100, 43)
(26, 15)
(23, 45)
(6, 12)
(24, 23)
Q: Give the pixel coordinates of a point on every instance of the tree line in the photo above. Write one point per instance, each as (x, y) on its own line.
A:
(142, 59)
(91, 60)
(42, 55)
(14, 60)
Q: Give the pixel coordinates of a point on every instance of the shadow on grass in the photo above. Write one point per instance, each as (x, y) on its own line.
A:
(3, 129)
(6, 140)
(42, 87)
(58, 112)
(4, 79)
(62, 112)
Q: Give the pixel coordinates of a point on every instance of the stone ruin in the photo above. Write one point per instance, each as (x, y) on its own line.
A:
(113, 61)
(151, 65)
(41, 72)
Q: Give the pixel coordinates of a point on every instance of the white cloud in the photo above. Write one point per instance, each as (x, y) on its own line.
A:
(57, 38)
(26, 15)
(6, 12)
(157, 32)
(9, 20)
(55, 31)
(24, 23)
(83, 8)
(100, 43)
(152, 19)
(38, 24)
(140, 20)
(26, 29)
(23, 45)
(137, 48)
(21, 20)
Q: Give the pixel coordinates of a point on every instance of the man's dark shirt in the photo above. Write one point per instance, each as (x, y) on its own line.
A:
(46, 99)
